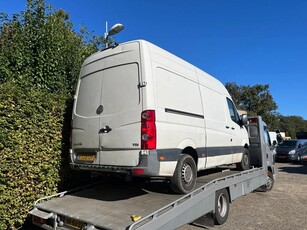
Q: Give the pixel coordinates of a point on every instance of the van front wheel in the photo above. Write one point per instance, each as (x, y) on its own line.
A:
(185, 175)
(245, 162)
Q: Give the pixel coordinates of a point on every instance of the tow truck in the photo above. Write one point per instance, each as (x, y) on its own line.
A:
(152, 205)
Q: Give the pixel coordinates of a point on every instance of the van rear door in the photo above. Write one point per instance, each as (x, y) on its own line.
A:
(119, 125)
(108, 107)
(85, 120)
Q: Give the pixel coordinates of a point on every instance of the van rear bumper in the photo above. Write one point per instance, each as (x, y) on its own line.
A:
(149, 165)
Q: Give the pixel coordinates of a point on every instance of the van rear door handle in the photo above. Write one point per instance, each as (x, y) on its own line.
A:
(227, 127)
(106, 129)
(232, 128)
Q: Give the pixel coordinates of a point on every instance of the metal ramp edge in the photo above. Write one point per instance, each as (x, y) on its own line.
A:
(61, 194)
(195, 204)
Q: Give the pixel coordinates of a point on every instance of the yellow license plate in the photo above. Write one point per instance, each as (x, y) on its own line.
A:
(77, 224)
(86, 157)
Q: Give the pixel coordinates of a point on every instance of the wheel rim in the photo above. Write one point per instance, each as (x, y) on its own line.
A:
(269, 182)
(187, 174)
(245, 159)
(221, 205)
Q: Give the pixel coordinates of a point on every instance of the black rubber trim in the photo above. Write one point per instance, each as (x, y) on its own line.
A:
(167, 110)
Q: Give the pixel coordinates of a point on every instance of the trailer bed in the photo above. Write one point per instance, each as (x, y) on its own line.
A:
(111, 204)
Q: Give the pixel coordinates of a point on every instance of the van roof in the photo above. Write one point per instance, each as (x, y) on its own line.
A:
(210, 80)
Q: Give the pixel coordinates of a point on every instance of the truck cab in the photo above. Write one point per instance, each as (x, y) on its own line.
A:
(261, 147)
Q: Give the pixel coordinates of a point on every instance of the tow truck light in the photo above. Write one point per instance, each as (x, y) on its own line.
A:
(253, 120)
(148, 130)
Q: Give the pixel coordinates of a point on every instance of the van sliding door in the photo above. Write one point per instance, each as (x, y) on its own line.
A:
(235, 131)
(218, 139)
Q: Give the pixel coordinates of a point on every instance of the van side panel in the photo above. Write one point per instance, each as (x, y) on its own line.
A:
(179, 109)
(218, 137)
(218, 142)
(179, 114)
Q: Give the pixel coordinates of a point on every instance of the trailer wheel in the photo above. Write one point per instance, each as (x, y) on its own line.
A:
(221, 206)
(269, 184)
(245, 162)
(185, 175)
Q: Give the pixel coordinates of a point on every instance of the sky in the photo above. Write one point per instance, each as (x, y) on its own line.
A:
(243, 41)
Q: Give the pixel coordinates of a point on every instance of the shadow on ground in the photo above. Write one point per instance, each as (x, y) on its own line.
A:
(298, 169)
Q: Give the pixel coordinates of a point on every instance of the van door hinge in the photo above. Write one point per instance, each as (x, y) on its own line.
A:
(142, 84)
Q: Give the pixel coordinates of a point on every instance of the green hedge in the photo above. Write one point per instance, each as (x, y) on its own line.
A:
(31, 143)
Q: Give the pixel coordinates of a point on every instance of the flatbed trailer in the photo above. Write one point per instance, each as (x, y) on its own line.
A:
(152, 204)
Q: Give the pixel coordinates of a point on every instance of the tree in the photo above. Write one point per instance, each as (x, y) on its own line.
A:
(40, 59)
(256, 100)
(292, 124)
(39, 48)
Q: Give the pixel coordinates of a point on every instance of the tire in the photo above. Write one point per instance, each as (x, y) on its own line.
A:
(269, 184)
(185, 175)
(299, 160)
(221, 206)
(245, 162)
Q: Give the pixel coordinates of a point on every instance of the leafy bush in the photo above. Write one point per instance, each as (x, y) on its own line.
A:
(31, 123)
(40, 59)
(40, 48)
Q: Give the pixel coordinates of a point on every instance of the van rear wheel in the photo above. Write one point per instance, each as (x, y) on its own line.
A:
(185, 175)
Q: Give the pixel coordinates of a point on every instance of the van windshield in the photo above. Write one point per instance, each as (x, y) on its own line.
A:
(288, 144)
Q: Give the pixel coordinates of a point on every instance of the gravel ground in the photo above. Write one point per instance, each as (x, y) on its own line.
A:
(285, 207)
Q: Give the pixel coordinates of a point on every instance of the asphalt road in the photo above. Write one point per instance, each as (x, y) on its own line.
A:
(285, 207)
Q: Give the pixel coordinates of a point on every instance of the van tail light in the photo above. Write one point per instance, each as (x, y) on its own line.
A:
(148, 130)
(138, 171)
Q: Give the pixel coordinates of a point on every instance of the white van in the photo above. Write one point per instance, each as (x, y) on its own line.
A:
(140, 110)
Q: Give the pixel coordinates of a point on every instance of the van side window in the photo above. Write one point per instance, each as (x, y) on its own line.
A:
(233, 112)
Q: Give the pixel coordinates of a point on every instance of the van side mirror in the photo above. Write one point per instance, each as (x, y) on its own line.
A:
(244, 119)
